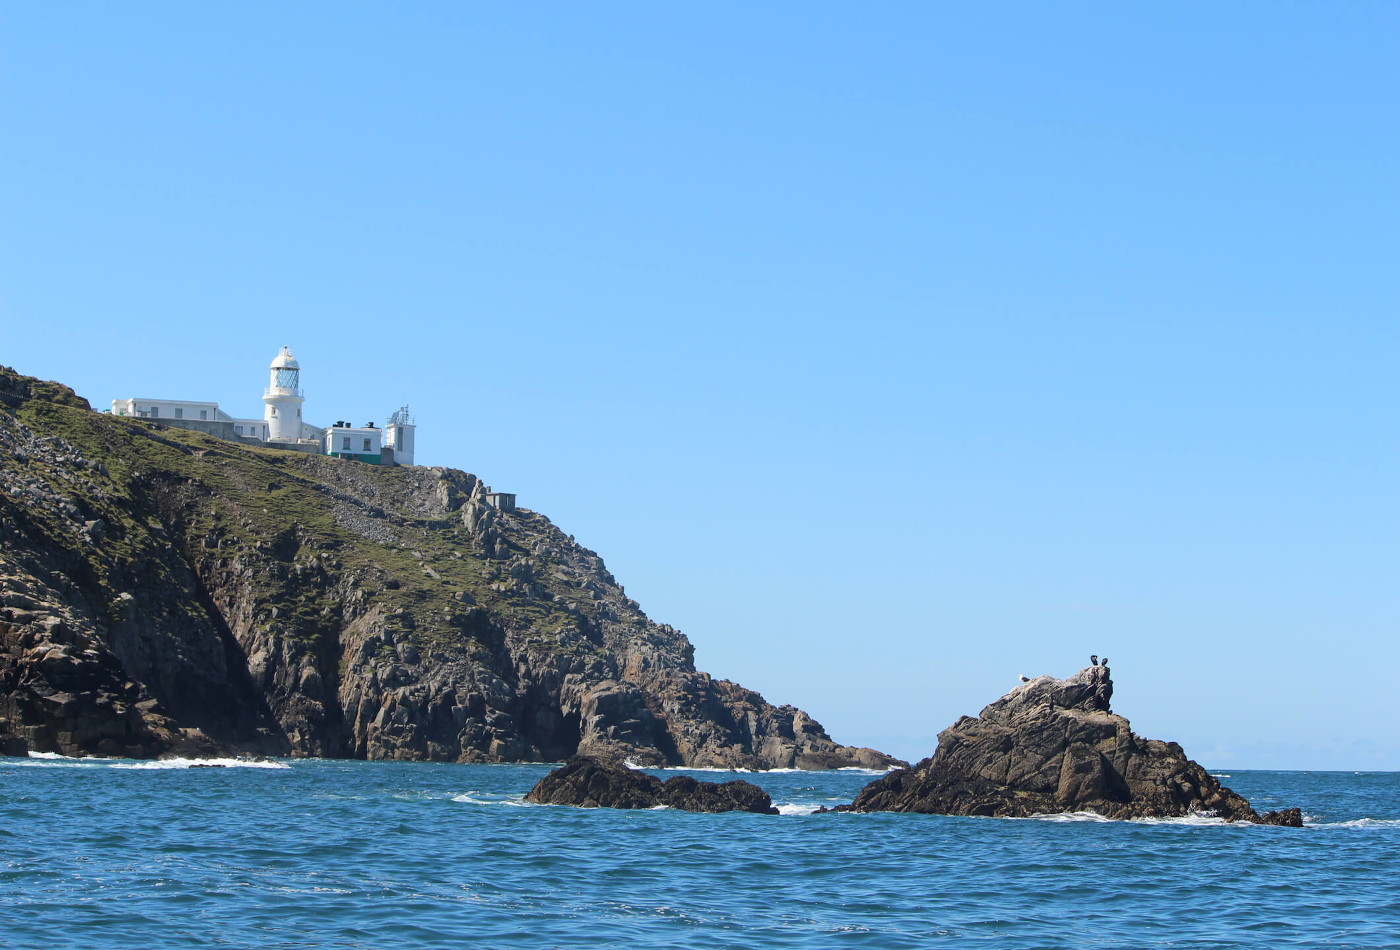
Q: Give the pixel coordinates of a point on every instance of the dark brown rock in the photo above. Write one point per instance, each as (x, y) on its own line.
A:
(11, 745)
(1287, 817)
(1052, 746)
(587, 782)
(689, 794)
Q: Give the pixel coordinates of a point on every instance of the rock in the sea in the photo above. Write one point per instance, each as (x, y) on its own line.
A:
(1053, 746)
(689, 794)
(588, 782)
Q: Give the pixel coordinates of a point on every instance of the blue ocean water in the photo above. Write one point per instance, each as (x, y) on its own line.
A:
(111, 853)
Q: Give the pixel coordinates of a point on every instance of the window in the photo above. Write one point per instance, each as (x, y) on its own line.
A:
(238, 430)
(366, 445)
(179, 413)
(204, 413)
(274, 410)
(345, 444)
(155, 412)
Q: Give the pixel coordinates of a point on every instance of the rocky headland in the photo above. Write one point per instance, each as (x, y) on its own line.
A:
(166, 592)
(1053, 746)
(588, 782)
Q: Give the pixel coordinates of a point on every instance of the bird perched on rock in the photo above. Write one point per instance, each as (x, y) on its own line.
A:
(1104, 663)
(1093, 659)
(1025, 678)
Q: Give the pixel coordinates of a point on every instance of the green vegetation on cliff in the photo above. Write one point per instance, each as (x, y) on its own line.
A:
(164, 590)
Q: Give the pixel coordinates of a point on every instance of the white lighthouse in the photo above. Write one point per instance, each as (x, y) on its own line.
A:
(283, 398)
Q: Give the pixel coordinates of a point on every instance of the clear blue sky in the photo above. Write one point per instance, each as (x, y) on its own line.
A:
(888, 351)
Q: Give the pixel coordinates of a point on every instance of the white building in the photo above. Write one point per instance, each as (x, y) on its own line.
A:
(175, 410)
(398, 435)
(282, 425)
(364, 445)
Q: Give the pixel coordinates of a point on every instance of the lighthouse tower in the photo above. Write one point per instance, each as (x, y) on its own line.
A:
(398, 435)
(283, 399)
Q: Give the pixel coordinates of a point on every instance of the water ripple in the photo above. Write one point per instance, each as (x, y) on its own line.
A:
(338, 854)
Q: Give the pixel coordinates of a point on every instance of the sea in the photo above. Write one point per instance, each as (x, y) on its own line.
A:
(319, 853)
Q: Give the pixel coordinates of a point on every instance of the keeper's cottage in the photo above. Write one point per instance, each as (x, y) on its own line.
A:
(281, 425)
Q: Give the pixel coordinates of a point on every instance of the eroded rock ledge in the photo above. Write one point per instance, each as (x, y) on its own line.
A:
(587, 782)
(1054, 746)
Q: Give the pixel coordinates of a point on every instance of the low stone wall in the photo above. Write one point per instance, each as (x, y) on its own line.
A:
(221, 429)
(310, 448)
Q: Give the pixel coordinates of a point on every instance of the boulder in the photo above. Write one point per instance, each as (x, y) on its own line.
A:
(1054, 746)
(588, 782)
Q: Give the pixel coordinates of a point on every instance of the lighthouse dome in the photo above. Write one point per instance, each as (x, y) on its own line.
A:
(285, 360)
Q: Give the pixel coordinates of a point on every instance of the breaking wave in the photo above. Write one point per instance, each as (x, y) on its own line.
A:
(179, 763)
(70, 759)
(1353, 823)
(487, 798)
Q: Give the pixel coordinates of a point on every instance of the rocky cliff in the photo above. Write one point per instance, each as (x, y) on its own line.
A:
(1052, 746)
(164, 591)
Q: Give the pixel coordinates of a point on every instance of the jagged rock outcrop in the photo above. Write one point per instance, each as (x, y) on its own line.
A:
(1052, 746)
(588, 782)
(160, 588)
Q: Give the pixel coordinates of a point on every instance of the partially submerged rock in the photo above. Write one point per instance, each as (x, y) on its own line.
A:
(1053, 746)
(587, 782)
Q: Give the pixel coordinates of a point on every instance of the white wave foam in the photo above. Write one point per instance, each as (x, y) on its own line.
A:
(1355, 823)
(1068, 816)
(674, 768)
(49, 760)
(689, 768)
(482, 798)
(1196, 819)
(852, 769)
(178, 763)
(790, 808)
(860, 770)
